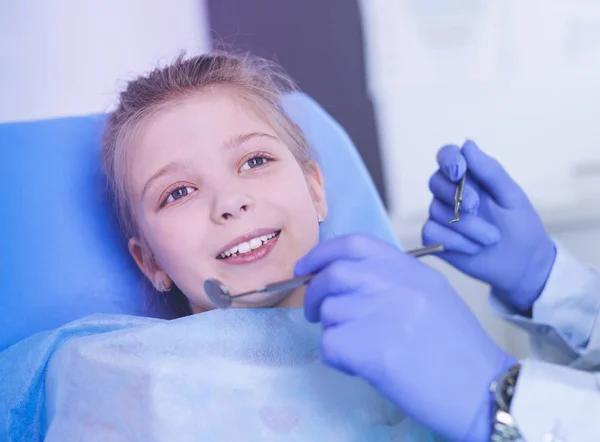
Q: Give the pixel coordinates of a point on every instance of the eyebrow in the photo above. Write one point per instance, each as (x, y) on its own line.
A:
(175, 165)
(238, 140)
(232, 143)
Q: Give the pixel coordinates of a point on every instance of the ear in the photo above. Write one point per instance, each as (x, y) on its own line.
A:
(316, 186)
(145, 261)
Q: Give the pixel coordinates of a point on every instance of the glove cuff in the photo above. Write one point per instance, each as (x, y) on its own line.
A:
(534, 280)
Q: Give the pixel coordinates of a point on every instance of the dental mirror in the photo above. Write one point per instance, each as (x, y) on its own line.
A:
(221, 297)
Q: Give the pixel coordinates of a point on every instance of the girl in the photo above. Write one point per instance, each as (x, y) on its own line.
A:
(211, 179)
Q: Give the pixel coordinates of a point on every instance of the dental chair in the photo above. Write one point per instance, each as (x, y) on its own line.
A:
(61, 254)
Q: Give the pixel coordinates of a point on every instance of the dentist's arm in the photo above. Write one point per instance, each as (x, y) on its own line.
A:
(398, 324)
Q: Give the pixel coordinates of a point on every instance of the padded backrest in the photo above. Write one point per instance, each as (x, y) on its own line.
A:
(62, 256)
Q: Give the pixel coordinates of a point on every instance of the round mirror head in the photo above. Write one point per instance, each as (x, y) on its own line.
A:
(217, 293)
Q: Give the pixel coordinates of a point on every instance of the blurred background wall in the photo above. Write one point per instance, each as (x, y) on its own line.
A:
(70, 57)
(404, 77)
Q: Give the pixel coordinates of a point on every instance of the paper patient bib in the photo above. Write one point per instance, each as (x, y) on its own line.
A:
(224, 375)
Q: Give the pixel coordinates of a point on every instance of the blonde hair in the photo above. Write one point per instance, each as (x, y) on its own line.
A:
(259, 82)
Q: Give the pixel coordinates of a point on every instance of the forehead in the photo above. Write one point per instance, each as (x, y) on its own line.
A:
(205, 119)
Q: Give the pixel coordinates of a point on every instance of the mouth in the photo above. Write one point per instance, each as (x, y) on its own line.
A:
(250, 248)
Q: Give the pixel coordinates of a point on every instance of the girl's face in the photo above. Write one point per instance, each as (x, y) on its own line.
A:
(217, 194)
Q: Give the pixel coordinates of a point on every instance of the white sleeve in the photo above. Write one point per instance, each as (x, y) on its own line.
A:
(556, 403)
(564, 316)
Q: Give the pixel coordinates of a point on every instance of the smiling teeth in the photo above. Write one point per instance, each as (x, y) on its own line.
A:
(247, 246)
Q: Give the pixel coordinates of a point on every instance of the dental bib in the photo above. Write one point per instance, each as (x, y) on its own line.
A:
(223, 375)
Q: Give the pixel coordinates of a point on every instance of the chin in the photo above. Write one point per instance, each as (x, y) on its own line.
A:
(293, 300)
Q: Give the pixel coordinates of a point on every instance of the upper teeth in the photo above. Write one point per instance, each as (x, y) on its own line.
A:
(247, 246)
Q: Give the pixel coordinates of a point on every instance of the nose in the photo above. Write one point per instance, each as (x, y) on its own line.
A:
(231, 204)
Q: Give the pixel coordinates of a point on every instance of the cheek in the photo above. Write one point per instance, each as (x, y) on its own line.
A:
(302, 215)
(175, 237)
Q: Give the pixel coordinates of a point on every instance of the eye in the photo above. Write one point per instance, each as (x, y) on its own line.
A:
(255, 161)
(179, 193)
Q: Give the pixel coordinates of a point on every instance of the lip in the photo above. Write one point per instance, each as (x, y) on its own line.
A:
(253, 255)
(247, 237)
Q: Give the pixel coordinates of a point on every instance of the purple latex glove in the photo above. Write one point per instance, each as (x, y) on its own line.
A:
(500, 238)
(398, 324)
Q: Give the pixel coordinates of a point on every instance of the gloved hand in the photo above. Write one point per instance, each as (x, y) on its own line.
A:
(500, 238)
(398, 324)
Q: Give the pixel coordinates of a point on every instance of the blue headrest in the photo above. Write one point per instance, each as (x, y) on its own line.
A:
(62, 256)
